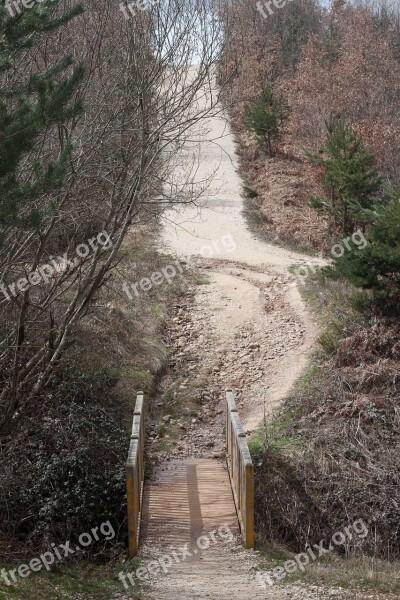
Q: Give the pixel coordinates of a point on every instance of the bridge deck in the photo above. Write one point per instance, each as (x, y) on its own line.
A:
(187, 499)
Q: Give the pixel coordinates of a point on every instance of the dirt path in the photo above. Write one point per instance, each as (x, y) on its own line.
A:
(242, 325)
(258, 334)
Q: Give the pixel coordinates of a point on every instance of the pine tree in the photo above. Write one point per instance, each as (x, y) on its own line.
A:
(377, 266)
(27, 110)
(350, 176)
(266, 117)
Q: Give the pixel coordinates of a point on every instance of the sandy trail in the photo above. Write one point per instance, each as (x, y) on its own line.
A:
(251, 291)
(245, 327)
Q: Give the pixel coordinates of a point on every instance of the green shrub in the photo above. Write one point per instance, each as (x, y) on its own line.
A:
(350, 177)
(64, 471)
(377, 266)
(266, 117)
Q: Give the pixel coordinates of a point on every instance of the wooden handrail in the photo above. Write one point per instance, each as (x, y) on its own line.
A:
(135, 476)
(241, 470)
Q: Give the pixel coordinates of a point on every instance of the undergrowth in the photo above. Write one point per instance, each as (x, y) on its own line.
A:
(330, 456)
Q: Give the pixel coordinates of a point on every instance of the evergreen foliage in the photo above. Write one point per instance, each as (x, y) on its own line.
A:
(266, 116)
(29, 109)
(377, 266)
(350, 176)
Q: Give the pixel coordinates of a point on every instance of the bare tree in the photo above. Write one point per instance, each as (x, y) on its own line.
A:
(141, 98)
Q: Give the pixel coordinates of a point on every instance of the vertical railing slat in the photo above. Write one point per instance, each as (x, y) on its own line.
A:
(241, 470)
(135, 475)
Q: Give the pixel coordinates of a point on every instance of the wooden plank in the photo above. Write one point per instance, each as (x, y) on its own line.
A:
(135, 476)
(249, 507)
(186, 499)
(241, 471)
(132, 510)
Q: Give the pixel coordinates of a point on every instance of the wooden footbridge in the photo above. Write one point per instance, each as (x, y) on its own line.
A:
(186, 499)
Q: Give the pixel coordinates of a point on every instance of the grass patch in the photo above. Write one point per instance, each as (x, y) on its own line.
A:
(158, 311)
(86, 582)
(332, 571)
(257, 445)
(336, 305)
(277, 429)
(258, 223)
(331, 451)
(249, 192)
(139, 379)
(201, 280)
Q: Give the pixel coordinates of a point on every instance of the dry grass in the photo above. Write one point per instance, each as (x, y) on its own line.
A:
(331, 456)
(332, 571)
(277, 190)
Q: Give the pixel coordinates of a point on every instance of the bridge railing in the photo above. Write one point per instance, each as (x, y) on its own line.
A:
(241, 470)
(135, 476)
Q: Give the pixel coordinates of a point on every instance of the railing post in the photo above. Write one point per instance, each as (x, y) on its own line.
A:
(241, 470)
(135, 476)
(249, 518)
